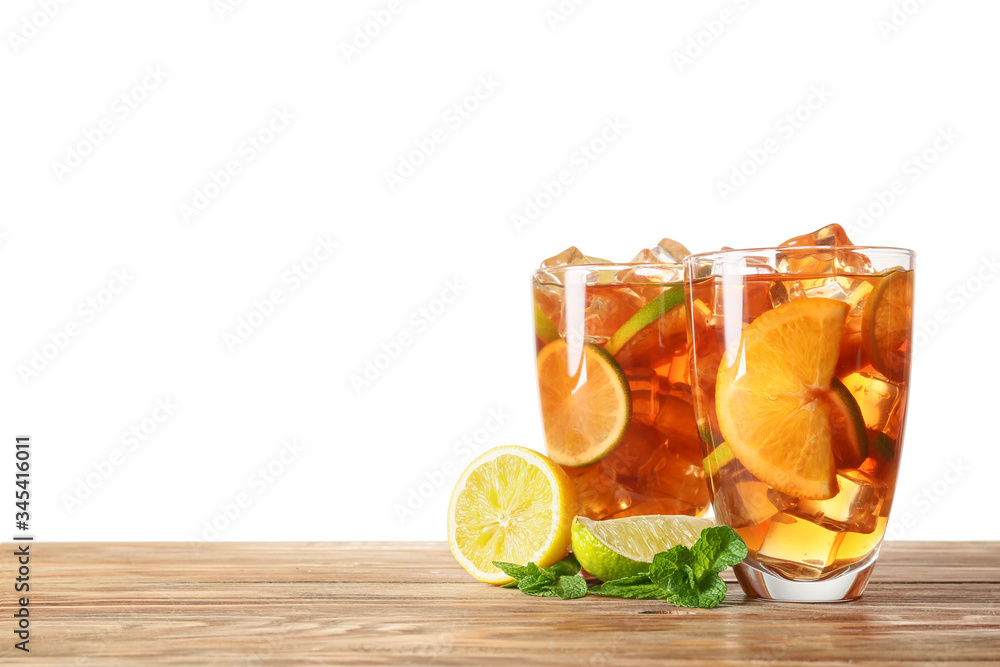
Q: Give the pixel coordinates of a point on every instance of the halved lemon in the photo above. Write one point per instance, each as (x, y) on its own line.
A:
(886, 324)
(586, 405)
(514, 505)
(772, 396)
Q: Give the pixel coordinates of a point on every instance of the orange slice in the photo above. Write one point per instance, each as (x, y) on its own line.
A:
(586, 405)
(886, 324)
(772, 396)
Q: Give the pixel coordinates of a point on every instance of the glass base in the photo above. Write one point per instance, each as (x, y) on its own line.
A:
(756, 582)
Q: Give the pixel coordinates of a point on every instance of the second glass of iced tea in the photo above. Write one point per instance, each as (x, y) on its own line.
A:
(614, 383)
(801, 364)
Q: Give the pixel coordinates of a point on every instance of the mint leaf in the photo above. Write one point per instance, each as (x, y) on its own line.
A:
(568, 566)
(718, 547)
(706, 595)
(692, 575)
(570, 587)
(636, 587)
(557, 580)
(666, 564)
(519, 572)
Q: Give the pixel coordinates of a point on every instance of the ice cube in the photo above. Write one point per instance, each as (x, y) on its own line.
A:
(858, 292)
(809, 260)
(852, 356)
(741, 266)
(673, 473)
(670, 251)
(753, 536)
(645, 506)
(878, 398)
(658, 466)
(743, 500)
(548, 300)
(830, 235)
(646, 257)
(675, 418)
(797, 548)
(825, 288)
(648, 283)
(778, 293)
(703, 318)
(600, 496)
(742, 286)
(758, 264)
(567, 257)
(744, 503)
(640, 448)
(594, 312)
(644, 385)
(656, 277)
(855, 508)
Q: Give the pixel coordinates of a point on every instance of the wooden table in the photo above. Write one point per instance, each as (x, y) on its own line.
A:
(380, 603)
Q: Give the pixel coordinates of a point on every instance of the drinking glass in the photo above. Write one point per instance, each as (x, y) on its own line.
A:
(614, 383)
(800, 367)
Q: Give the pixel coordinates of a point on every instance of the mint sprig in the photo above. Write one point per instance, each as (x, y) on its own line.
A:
(560, 579)
(686, 577)
(636, 587)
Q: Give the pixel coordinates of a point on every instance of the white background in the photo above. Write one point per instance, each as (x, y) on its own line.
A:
(894, 76)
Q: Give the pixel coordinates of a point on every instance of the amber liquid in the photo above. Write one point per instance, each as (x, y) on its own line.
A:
(796, 538)
(657, 468)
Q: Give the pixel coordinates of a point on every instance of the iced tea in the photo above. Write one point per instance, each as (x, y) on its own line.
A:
(801, 363)
(614, 381)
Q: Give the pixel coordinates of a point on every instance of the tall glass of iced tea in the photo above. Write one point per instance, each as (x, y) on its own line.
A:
(800, 365)
(614, 382)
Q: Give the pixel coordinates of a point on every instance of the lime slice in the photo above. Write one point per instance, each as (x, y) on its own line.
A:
(717, 459)
(616, 548)
(848, 432)
(586, 404)
(545, 328)
(886, 324)
(648, 314)
(705, 433)
(882, 444)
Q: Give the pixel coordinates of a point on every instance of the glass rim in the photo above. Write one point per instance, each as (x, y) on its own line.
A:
(538, 274)
(818, 248)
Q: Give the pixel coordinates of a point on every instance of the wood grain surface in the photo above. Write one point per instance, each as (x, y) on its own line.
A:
(410, 603)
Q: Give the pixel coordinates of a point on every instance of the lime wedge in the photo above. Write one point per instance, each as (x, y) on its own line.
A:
(717, 459)
(849, 435)
(617, 548)
(882, 444)
(544, 327)
(648, 314)
(886, 324)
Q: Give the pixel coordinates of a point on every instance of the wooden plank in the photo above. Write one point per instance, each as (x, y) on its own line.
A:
(390, 603)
